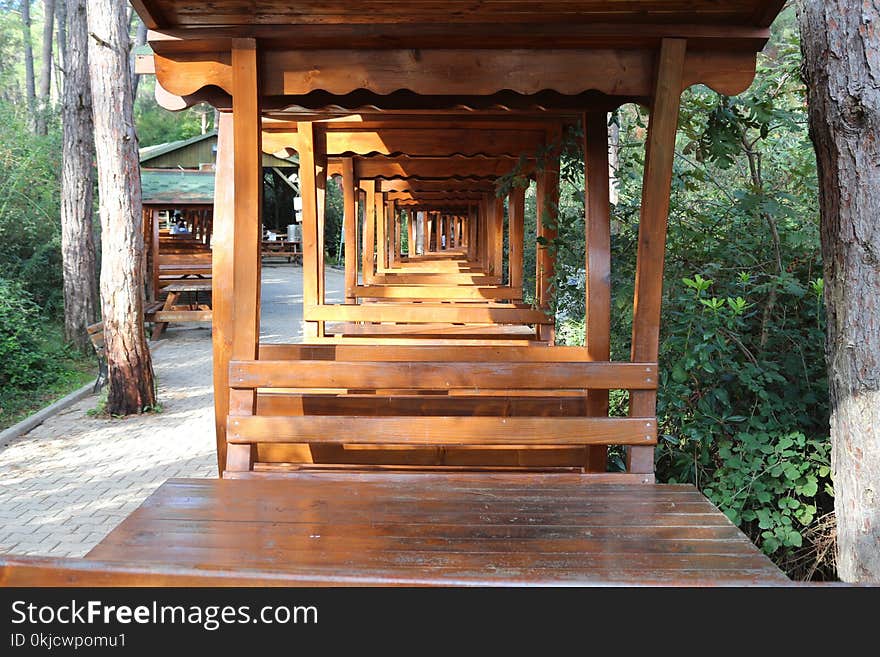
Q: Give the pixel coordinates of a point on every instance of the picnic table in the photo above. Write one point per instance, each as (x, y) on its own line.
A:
(172, 311)
(282, 249)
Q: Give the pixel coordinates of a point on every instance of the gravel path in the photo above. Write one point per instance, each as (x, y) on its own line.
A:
(68, 482)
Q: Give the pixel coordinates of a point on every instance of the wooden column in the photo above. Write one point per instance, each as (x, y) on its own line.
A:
(349, 198)
(411, 215)
(598, 265)
(311, 233)
(497, 238)
(437, 229)
(369, 254)
(247, 224)
(320, 149)
(659, 156)
(154, 247)
(547, 202)
(516, 210)
(381, 233)
(222, 294)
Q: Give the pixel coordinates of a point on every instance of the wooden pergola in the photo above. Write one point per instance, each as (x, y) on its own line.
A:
(450, 421)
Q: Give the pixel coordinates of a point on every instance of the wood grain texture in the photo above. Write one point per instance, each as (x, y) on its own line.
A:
(435, 529)
(444, 375)
(656, 189)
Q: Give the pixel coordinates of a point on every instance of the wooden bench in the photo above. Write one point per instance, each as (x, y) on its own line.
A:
(96, 337)
(448, 405)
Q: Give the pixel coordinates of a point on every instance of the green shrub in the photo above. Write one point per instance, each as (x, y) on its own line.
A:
(24, 362)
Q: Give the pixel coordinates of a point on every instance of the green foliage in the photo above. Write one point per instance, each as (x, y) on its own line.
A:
(30, 242)
(156, 125)
(743, 403)
(22, 360)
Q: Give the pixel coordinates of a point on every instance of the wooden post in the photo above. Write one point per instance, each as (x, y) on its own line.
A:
(369, 187)
(411, 215)
(598, 266)
(154, 247)
(350, 228)
(547, 202)
(222, 295)
(248, 182)
(437, 229)
(320, 158)
(381, 233)
(516, 225)
(310, 226)
(656, 188)
(497, 237)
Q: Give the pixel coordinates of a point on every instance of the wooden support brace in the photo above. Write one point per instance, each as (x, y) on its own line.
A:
(660, 153)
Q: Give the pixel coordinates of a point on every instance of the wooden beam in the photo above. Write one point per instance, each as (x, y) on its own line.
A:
(426, 313)
(547, 208)
(656, 189)
(516, 225)
(369, 252)
(150, 14)
(248, 184)
(310, 223)
(222, 293)
(438, 430)
(349, 198)
(598, 264)
(446, 374)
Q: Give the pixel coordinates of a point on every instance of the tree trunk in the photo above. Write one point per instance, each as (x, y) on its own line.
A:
(131, 388)
(27, 40)
(45, 67)
(61, 38)
(77, 183)
(140, 39)
(841, 47)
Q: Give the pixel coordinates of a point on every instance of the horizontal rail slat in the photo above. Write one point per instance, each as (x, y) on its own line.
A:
(404, 353)
(441, 430)
(430, 375)
(424, 313)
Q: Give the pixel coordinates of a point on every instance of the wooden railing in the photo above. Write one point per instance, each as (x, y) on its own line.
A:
(428, 396)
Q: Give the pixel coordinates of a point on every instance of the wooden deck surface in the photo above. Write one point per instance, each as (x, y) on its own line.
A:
(439, 529)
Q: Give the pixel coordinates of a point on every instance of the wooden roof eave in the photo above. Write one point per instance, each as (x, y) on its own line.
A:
(292, 74)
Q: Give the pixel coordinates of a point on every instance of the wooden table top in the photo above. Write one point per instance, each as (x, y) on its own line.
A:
(196, 285)
(439, 529)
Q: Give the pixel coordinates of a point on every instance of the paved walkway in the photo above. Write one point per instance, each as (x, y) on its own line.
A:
(67, 483)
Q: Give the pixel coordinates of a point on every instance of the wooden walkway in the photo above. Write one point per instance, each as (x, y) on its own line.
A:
(436, 529)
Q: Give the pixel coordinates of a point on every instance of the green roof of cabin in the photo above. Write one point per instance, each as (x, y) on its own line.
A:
(176, 187)
(153, 152)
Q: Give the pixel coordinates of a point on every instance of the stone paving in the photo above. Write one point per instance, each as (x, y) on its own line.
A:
(68, 482)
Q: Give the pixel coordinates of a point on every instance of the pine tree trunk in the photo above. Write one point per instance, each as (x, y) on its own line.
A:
(77, 184)
(131, 388)
(61, 38)
(841, 47)
(45, 67)
(27, 41)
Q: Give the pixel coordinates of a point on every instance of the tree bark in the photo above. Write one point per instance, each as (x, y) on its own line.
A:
(77, 184)
(131, 383)
(841, 47)
(45, 67)
(27, 40)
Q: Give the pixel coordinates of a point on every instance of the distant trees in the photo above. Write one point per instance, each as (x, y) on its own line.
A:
(27, 42)
(131, 382)
(840, 45)
(45, 68)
